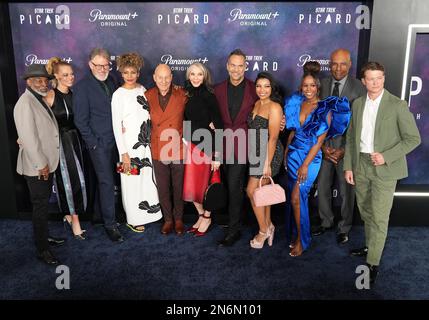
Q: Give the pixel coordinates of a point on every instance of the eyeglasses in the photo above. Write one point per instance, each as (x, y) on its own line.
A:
(100, 67)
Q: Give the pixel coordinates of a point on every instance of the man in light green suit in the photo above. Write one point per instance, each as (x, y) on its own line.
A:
(382, 131)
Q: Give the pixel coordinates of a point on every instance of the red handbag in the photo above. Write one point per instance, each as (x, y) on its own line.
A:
(269, 194)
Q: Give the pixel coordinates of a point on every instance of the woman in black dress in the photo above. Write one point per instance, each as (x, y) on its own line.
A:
(265, 119)
(69, 176)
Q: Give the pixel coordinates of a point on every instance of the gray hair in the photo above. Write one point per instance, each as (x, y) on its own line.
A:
(99, 52)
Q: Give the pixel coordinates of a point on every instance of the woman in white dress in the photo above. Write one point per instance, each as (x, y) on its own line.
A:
(132, 126)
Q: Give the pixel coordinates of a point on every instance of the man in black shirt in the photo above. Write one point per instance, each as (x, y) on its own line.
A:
(236, 97)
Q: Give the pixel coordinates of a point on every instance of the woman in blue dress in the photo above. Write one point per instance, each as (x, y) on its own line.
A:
(311, 121)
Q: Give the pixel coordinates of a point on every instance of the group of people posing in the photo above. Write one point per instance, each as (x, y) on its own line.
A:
(164, 162)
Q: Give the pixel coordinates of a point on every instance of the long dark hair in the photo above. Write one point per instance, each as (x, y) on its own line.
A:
(275, 89)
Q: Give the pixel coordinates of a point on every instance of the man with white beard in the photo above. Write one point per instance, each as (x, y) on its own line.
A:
(38, 154)
(92, 98)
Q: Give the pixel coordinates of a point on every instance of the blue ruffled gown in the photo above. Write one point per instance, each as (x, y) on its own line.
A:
(305, 137)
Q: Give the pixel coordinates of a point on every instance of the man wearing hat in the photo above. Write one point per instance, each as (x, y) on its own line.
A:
(38, 153)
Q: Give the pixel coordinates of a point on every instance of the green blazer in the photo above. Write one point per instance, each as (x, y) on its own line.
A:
(396, 134)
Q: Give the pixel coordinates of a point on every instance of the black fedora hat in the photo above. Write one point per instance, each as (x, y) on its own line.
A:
(36, 70)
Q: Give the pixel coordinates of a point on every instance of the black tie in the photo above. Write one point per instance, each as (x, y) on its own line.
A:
(336, 91)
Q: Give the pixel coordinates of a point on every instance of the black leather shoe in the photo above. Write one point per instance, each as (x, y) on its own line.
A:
(114, 234)
(56, 242)
(361, 252)
(229, 240)
(373, 273)
(317, 231)
(47, 257)
(342, 238)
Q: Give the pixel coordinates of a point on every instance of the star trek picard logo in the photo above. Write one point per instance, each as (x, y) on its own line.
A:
(183, 16)
(58, 17)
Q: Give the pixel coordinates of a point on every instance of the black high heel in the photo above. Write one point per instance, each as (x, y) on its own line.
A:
(81, 236)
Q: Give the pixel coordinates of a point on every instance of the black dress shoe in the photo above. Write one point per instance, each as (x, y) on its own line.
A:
(317, 231)
(229, 240)
(361, 252)
(114, 234)
(47, 257)
(342, 238)
(56, 242)
(373, 273)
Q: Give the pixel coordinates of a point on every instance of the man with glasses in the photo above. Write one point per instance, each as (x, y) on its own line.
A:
(93, 117)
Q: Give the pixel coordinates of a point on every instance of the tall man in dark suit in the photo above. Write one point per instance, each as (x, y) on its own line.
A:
(93, 117)
(339, 84)
(382, 131)
(38, 153)
(236, 97)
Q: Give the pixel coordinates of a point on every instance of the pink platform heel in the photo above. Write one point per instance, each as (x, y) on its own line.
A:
(255, 244)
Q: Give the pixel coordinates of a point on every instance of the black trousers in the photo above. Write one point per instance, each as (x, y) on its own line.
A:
(103, 160)
(40, 190)
(169, 179)
(235, 176)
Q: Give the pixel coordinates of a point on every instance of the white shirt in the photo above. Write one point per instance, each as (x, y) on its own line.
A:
(368, 123)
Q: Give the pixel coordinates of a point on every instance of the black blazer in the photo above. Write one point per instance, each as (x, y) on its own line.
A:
(93, 111)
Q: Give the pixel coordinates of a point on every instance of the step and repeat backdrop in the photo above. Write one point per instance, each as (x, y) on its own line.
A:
(276, 37)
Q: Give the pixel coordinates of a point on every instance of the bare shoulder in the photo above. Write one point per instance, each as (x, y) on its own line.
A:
(275, 109)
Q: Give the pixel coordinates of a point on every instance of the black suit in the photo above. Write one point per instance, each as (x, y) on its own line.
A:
(352, 89)
(93, 118)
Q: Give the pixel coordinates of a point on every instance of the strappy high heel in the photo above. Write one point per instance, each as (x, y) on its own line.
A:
(255, 244)
(203, 233)
(81, 236)
(192, 229)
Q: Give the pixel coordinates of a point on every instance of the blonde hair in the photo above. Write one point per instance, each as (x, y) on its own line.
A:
(131, 59)
(53, 66)
(207, 80)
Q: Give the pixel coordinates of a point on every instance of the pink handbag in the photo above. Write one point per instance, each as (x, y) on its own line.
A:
(268, 194)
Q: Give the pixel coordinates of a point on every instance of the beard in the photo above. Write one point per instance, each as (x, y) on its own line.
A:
(43, 94)
(101, 78)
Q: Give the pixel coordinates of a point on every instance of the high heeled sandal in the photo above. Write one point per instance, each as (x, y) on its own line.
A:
(193, 229)
(136, 228)
(255, 244)
(203, 233)
(81, 236)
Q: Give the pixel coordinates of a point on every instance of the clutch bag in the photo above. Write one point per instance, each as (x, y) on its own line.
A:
(134, 169)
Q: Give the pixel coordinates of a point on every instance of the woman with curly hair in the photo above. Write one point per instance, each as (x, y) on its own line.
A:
(131, 127)
(69, 176)
(310, 120)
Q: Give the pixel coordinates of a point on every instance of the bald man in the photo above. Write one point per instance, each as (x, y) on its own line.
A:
(341, 84)
(167, 106)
